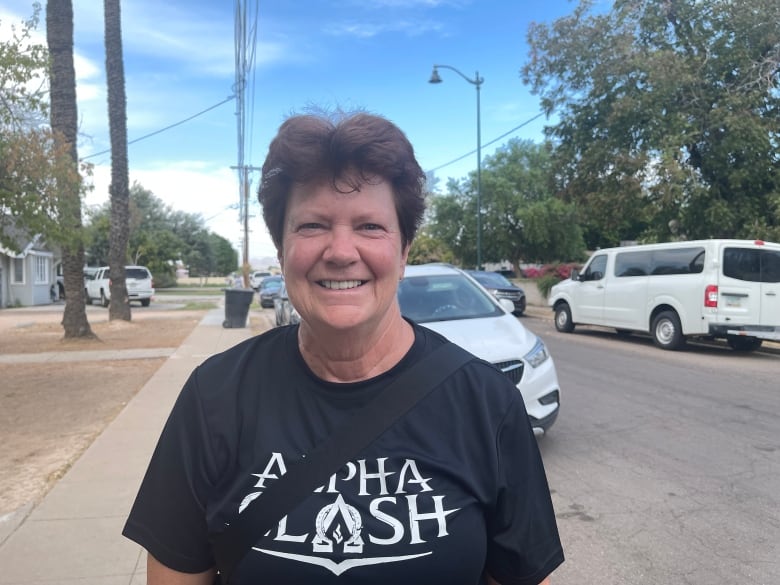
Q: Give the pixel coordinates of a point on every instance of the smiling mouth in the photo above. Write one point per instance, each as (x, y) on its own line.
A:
(341, 284)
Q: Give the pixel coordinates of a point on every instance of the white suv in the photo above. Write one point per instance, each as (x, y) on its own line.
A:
(137, 278)
(448, 301)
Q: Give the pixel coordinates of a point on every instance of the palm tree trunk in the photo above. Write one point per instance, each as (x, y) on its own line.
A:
(119, 234)
(64, 124)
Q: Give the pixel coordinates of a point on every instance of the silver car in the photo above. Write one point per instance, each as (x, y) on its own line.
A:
(285, 313)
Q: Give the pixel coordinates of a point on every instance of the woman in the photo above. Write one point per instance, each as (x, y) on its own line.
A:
(454, 492)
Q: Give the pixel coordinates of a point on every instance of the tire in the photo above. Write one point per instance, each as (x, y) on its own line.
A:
(103, 300)
(667, 331)
(87, 298)
(145, 302)
(742, 343)
(519, 312)
(563, 322)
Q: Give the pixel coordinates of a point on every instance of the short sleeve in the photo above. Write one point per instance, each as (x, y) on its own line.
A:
(168, 517)
(523, 542)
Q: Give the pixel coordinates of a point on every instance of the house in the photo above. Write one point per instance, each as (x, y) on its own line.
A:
(27, 271)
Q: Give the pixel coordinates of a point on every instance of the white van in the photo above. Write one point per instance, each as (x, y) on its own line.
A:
(727, 289)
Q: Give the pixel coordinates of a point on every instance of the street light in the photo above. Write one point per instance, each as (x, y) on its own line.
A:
(476, 82)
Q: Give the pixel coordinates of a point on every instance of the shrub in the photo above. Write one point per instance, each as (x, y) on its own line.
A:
(552, 274)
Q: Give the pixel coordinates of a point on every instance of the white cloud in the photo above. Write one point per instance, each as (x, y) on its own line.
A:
(197, 187)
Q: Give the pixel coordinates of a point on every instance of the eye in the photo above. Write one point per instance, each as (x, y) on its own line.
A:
(371, 226)
(309, 226)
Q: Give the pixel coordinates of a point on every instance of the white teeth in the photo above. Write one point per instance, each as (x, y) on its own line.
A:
(341, 284)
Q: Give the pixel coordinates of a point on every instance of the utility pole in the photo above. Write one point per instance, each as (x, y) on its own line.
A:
(243, 173)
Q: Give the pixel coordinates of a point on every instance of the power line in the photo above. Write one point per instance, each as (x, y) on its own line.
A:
(179, 123)
(504, 135)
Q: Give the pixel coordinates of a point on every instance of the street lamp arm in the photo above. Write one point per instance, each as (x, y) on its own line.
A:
(476, 81)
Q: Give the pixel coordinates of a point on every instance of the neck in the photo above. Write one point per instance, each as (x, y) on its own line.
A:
(350, 356)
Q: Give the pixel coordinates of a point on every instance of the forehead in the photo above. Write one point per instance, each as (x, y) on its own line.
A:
(375, 194)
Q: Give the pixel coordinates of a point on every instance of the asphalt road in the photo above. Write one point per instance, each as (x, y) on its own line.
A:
(664, 466)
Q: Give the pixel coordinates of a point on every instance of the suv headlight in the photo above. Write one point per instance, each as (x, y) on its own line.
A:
(538, 355)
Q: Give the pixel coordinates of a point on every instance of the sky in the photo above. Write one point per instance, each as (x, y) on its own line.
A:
(373, 55)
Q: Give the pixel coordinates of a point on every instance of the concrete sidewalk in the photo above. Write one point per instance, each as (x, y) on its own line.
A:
(74, 534)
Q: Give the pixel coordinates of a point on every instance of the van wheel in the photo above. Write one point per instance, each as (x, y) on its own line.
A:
(667, 331)
(145, 302)
(87, 298)
(563, 322)
(103, 299)
(741, 343)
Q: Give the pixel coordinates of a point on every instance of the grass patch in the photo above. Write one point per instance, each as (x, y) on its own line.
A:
(198, 306)
(191, 290)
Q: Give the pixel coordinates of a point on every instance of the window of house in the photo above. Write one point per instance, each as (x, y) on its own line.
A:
(41, 265)
(17, 271)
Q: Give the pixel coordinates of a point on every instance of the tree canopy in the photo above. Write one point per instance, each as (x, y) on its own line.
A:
(668, 111)
(159, 237)
(521, 218)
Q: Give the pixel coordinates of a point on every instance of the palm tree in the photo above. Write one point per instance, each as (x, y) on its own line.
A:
(64, 120)
(119, 233)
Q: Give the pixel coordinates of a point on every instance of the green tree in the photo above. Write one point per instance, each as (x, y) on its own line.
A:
(119, 308)
(521, 219)
(30, 158)
(452, 219)
(64, 124)
(23, 72)
(159, 237)
(426, 248)
(667, 110)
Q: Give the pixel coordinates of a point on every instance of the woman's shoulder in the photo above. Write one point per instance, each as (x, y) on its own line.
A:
(264, 355)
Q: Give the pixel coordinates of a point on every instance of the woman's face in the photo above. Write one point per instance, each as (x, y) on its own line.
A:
(341, 254)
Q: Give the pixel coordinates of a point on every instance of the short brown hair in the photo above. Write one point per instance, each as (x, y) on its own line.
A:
(310, 148)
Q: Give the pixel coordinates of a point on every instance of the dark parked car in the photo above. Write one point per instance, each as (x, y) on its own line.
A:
(501, 288)
(285, 313)
(269, 290)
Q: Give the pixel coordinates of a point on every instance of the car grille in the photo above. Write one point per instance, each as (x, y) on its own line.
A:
(512, 296)
(512, 370)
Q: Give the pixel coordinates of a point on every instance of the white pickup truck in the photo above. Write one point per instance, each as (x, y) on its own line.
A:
(137, 278)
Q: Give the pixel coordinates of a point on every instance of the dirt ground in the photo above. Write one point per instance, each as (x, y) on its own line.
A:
(51, 412)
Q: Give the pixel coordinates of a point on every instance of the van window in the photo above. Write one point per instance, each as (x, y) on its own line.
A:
(770, 266)
(742, 264)
(751, 265)
(596, 269)
(633, 263)
(678, 261)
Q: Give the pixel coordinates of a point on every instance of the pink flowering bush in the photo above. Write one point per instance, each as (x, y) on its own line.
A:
(552, 274)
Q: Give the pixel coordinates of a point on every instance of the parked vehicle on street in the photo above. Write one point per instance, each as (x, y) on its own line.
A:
(448, 301)
(501, 287)
(140, 285)
(269, 290)
(256, 277)
(727, 289)
(284, 312)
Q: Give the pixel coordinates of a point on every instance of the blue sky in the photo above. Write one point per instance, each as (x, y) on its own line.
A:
(375, 55)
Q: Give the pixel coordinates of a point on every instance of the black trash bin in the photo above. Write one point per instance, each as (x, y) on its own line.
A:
(237, 301)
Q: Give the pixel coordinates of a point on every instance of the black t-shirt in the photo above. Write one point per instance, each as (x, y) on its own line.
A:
(455, 486)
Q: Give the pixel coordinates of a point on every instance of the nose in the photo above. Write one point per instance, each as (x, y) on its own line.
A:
(342, 246)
